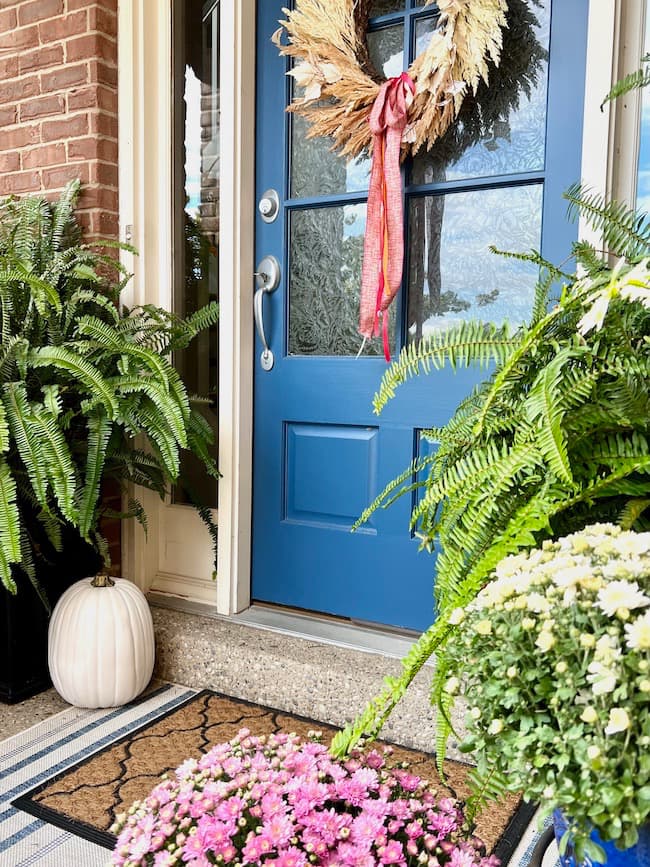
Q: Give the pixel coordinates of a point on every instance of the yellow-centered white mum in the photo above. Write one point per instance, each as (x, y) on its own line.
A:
(339, 85)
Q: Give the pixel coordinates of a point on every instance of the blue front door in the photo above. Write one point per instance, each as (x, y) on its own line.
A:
(320, 455)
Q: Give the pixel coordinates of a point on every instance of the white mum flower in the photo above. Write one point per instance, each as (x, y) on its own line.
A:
(511, 565)
(452, 686)
(457, 616)
(538, 603)
(545, 641)
(595, 316)
(571, 576)
(632, 544)
(607, 649)
(637, 633)
(589, 714)
(619, 721)
(621, 594)
(601, 678)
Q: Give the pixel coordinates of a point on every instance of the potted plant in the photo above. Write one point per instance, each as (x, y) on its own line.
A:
(88, 392)
(556, 437)
(283, 801)
(553, 659)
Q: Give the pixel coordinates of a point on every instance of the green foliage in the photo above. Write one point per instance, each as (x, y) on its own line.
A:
(553, 658)
(634, 81)
(557, 437)
(80, 380)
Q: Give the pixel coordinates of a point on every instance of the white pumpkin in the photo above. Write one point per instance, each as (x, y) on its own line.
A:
(101, 643)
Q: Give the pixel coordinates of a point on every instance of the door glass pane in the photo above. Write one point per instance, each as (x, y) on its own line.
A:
(452, 273)
(196, 217)
(424, 30)
(502, 130)
(316, 170)
(325, 253)
(386, 50)
(385, 7)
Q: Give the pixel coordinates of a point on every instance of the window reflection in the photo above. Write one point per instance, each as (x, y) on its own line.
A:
(452, 273)
(501, 130)
(196, 214)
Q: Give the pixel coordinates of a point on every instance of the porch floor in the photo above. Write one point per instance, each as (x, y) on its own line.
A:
(293, 673)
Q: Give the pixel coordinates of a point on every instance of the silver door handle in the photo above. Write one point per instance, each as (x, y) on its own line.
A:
(267, 278)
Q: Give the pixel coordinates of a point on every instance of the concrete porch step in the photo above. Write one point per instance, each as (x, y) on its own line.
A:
(304, 675)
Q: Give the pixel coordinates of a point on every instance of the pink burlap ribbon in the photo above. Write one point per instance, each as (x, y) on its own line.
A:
(383, 249)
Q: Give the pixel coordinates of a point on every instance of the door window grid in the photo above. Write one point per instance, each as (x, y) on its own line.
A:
(412, 20)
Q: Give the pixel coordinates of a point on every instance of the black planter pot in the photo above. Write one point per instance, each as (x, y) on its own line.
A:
(24, 619)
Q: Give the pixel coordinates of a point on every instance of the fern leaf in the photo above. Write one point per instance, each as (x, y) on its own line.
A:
(624, 231)
(59, 465)
(6, 577)
(632, 511)
(469, 343)
(487, 784)
(74, 365)
(634, 81)
(9, 517)
(160, 398)
(415, 467)
(18, 412)
(199, 439)
(4, 430)
(99, 431)
(371, 719)
(544, 408)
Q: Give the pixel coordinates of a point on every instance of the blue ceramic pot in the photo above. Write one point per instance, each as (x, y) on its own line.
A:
(637, 856)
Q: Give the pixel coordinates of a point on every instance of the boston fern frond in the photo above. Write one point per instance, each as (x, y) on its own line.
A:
(471, 342)
(556, 438)
(80, 381)
(625, 232)
(634, 81)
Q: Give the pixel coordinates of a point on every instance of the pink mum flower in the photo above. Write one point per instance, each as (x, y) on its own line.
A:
(291, 857)
(393, 853)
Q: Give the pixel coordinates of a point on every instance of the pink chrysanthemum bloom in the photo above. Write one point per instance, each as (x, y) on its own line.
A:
(288, 802)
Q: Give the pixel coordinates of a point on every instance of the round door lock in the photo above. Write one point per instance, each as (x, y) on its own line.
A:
(269, 206)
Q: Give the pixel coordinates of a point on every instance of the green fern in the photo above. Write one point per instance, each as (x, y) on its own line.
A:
(636, 80)
(469, 343)
(81, 379)
(557, 437)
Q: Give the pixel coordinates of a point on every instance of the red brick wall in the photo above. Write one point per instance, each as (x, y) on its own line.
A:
(58, 119)
(58, 103)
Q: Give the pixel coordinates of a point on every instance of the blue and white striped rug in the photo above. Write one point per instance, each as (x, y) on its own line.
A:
(33, 756)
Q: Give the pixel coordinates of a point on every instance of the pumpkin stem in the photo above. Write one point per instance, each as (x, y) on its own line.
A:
(102, 581)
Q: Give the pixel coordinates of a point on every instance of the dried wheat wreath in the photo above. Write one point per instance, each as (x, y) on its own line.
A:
(328, 38)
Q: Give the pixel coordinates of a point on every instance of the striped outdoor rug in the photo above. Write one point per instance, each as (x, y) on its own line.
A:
(62, 755)
(33, 756)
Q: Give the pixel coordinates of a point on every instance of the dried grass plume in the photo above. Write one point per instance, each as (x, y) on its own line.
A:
(327, 40)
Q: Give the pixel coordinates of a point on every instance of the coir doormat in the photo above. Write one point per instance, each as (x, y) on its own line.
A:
(86, 797)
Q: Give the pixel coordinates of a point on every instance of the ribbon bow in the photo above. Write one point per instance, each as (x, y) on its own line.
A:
(383, 248)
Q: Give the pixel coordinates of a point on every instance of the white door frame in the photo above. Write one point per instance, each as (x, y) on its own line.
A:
(176, 558)
(610, 153)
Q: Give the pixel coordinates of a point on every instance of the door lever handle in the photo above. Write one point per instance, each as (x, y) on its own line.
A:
(267, 277)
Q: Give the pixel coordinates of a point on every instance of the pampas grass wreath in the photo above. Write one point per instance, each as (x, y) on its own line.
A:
(327, 39)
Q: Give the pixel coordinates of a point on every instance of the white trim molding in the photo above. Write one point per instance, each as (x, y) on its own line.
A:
(611, 133)
(236, 268)
(144, 70)
(146, 220)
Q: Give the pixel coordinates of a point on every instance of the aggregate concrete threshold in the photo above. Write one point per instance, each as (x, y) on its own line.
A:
(301, 675)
